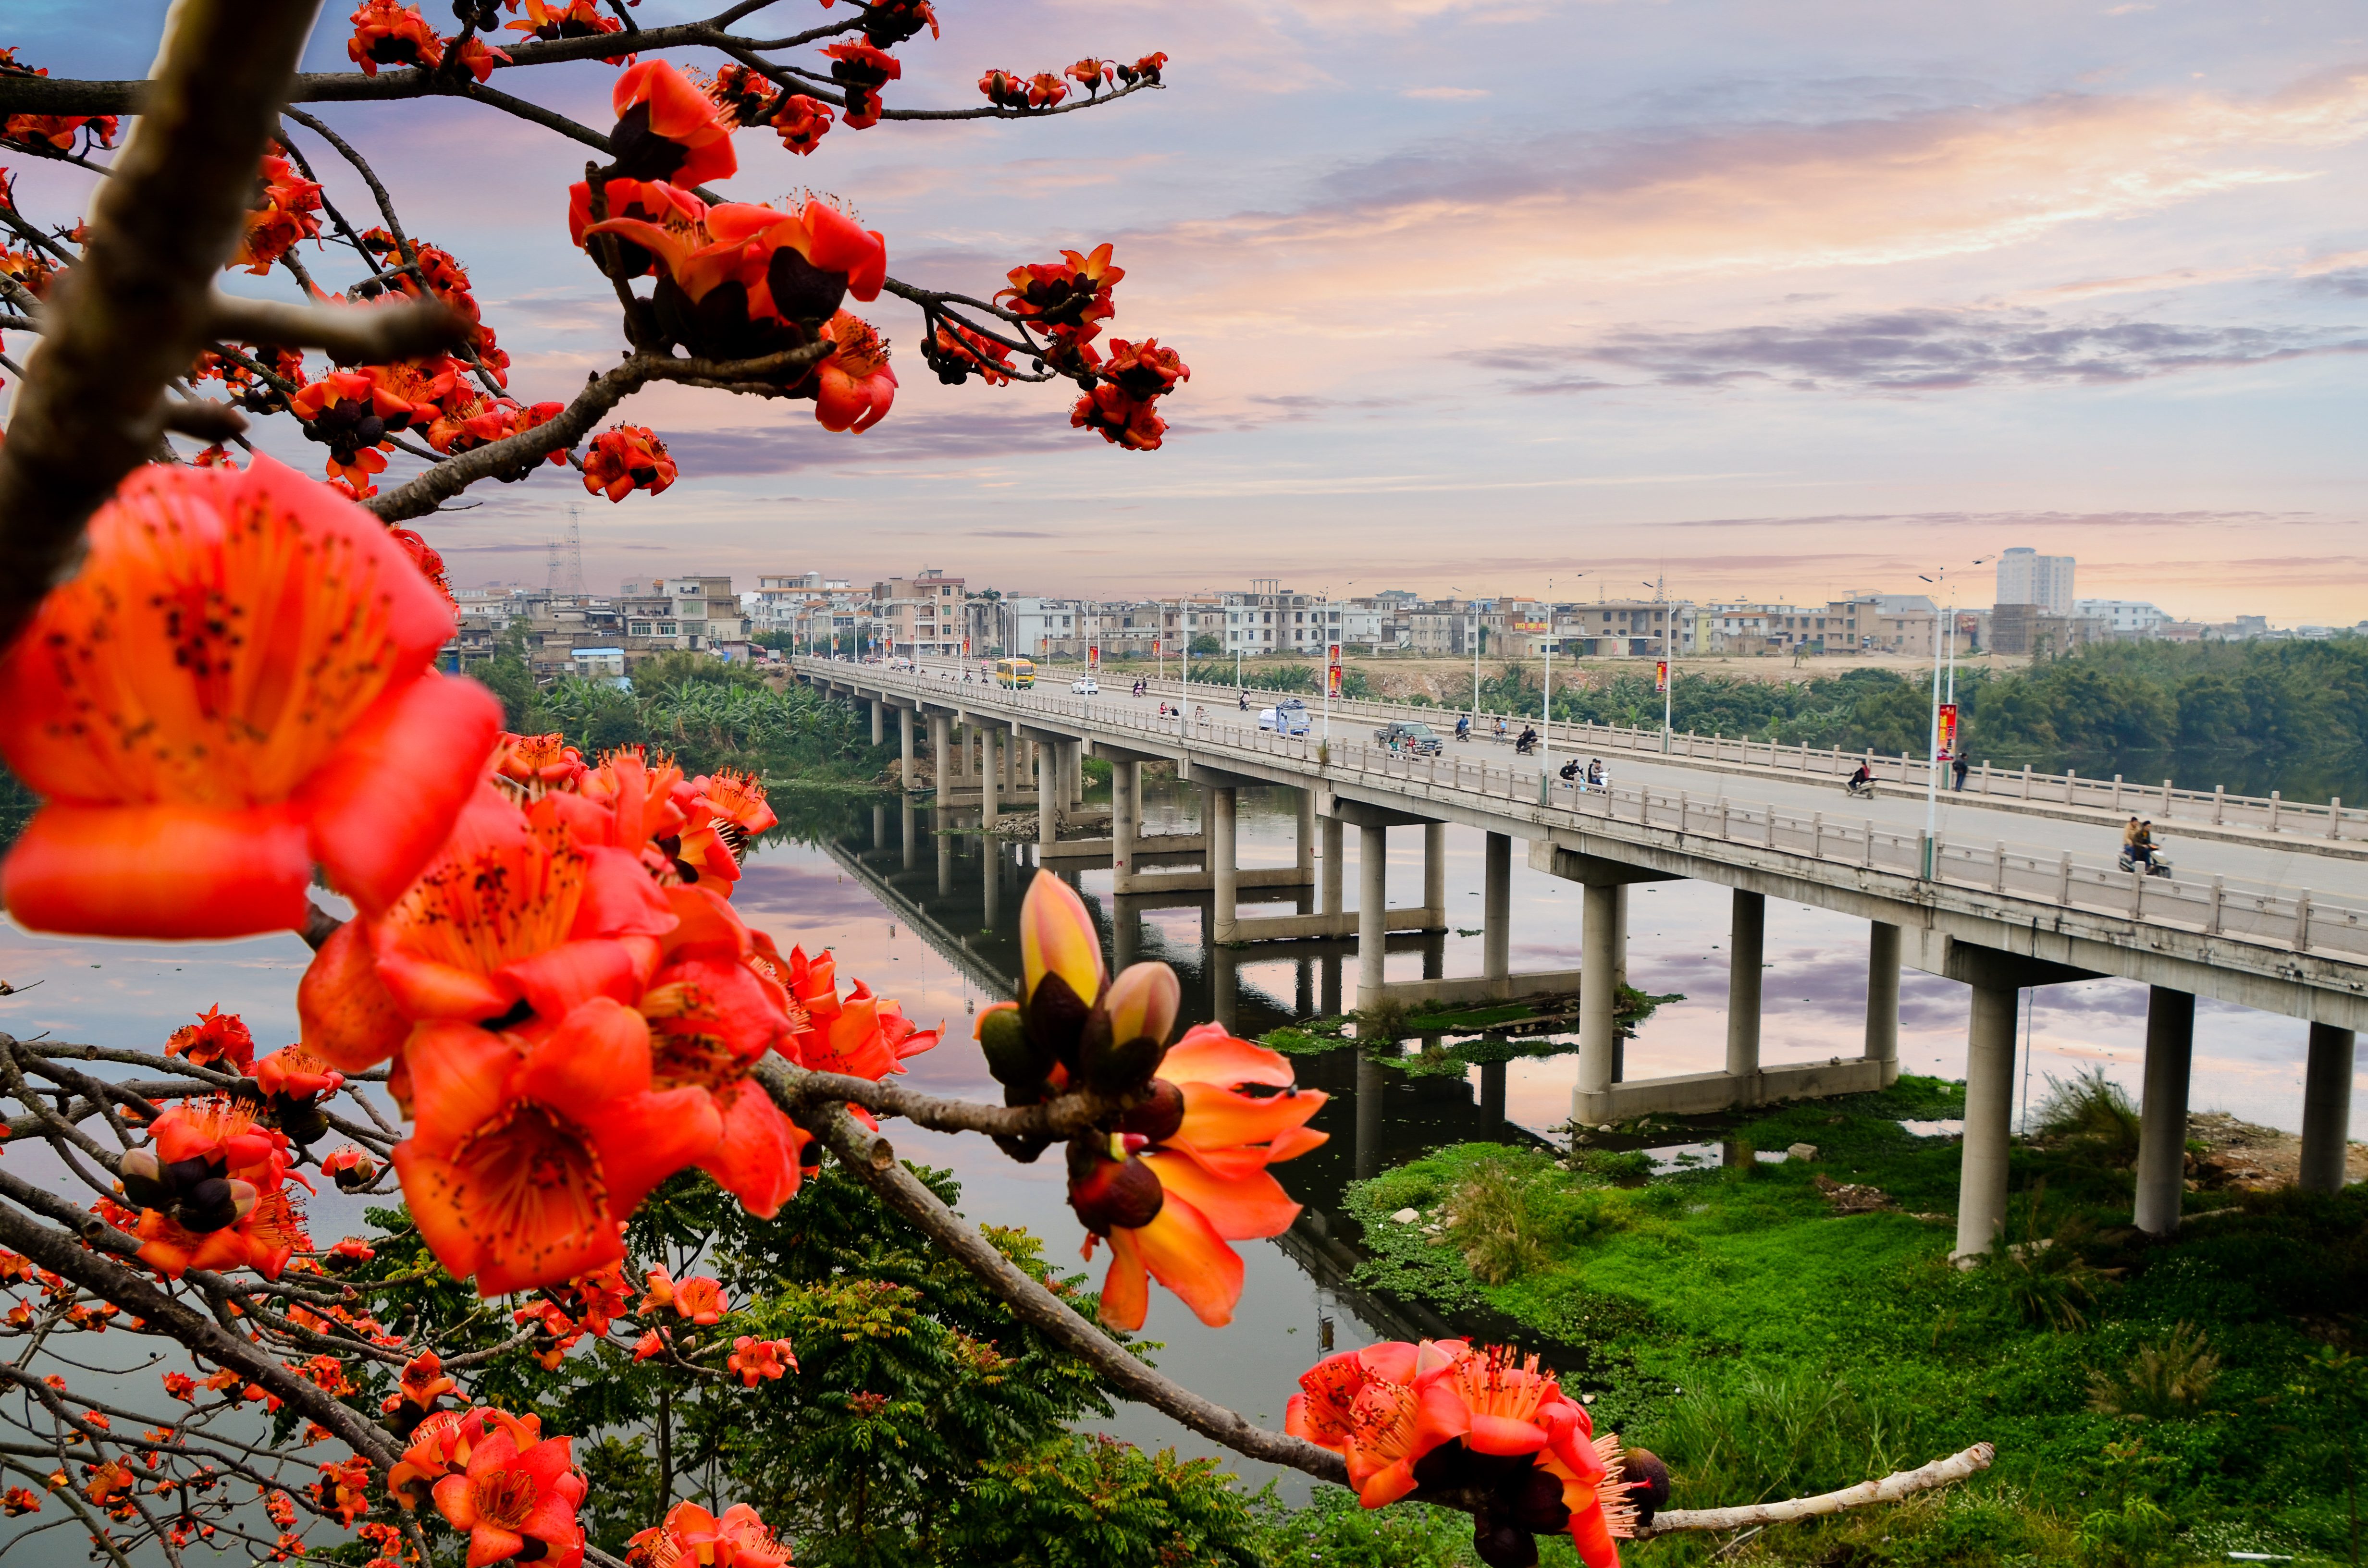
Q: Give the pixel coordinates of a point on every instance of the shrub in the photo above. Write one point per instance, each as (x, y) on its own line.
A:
(2094, 1111)
(1496, 1218)
(2171, 1377)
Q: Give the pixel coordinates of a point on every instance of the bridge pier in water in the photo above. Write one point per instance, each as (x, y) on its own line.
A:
(905, 718)
(878, 721)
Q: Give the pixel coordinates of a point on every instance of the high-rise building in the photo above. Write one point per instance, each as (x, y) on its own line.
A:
(2027, 577)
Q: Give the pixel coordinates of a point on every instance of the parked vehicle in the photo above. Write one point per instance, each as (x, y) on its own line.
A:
(1084, 685)
(1406, 735)
(1289, 717)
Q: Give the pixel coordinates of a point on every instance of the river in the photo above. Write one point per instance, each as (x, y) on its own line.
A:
(841, 873)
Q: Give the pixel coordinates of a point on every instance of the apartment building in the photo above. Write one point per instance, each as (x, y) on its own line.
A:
(2027, 577)
(2121, 618)
(920, 617)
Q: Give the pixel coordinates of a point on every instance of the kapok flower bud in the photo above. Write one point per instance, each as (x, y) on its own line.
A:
(1010, 1056)
(143, 1180)
(1062, 975)
(1126, 1038)
(1109, 1193)
(1158, 1118)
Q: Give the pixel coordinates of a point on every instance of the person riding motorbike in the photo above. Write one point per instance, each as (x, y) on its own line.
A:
(1860, 782)
(1528, 741)
(1464, 726)
(1596, 778)
(1246, 701)
(2137, 843)
(1570, 772)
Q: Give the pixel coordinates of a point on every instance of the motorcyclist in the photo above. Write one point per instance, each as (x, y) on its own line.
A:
(1862, 780)
(1464, 726)
(1570, 772)
(1528, 741)
(2137, 843)
(1595, 778)
(1246, 701)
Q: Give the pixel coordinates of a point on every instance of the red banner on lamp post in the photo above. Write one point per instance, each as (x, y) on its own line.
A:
(1948, 729)
(1093, 655)
(1661, 677)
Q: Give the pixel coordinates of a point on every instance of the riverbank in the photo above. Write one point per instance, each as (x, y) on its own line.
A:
(1776, 1327)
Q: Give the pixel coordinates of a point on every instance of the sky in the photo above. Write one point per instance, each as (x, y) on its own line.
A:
(1545, 297)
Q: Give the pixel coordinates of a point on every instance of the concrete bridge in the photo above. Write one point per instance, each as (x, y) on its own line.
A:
(2017, 888)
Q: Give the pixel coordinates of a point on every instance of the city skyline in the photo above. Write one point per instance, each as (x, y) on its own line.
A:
(1779, 302)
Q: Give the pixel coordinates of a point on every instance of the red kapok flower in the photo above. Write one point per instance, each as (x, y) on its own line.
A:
(477, 58)
(216, 1038)
(1003, 90)
(1123, 421)
(802, 122)
(1145, 371)
(281, 216)
(860, 71)
(1144, 69)
(728, 811)
(575, 18)
(518, 1488)
(388, 32)
(626, 458)
(667, 129)
(754, 1359)
(537, 763)
(855, 386)
(1045, 89)
(793, 272)
(1087, 74)
(991, 360)
(1067, 295)
(234, 686)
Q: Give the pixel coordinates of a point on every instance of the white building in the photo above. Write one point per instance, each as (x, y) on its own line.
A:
(2129, 618)
(2027, 577)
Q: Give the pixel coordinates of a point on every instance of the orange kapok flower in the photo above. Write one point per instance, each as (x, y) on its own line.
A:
(235, 687)
(388, 32)
(571, 19)
(1003, 90)
(528, 1156)
(744, 281)
(281, 216)
(627, 458)
(537, 763)
(217, 1038)
(1208, 1146)
(728, 811)
(1144, 69)
(756, 1358)
(1087, 74)
(1123, 421)
(1070, 294)
(693, 1538)
(958, 351)
(518, 1487)
(1045, 88)
(854, 386)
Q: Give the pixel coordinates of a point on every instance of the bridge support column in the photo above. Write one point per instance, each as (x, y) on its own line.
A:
(940, 762)
(1599, 1027)
(907, 837)
(986, 778)
(1989, 1105)
(879, 722)
(878, 827)
(1434, 875)
(1225, 986)
(1048, 807)
(1126, 820)
(1746, 932)
(1335, 846)
(1327, 1001)
(2162, 1109)
(1372, 905)
(1304, 842)
(1496, 907)
(1126, 933)
(1224, 863)
(993, 895)
(2326, 1109)
(1371, 1076)
(1491, 1096)
(1620, 939)
(1883, 997)
(945, 857)
(905, 717)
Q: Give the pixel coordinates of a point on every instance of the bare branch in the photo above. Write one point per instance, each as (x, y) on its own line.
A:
(367, 335)
(1890, 1489)
(204, 419)
(130, 315)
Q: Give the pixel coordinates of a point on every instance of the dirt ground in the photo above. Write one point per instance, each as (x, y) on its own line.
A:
(2243, 1156)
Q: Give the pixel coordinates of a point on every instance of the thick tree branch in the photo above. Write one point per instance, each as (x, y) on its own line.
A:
(1890, 1489)
(352, 334)
(131, 315)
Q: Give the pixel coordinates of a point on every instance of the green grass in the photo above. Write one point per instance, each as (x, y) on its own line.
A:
(1728, 1321)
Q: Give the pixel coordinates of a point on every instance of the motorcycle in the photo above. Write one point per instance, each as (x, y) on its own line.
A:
(2157, 864)
(1859, 788)
(1525, 746)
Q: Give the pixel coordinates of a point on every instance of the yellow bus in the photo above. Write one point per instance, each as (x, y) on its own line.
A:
(1017, 674)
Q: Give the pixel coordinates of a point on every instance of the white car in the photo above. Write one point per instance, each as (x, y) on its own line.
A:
(1084, 686)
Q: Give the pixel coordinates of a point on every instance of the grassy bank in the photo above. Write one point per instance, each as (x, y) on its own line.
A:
(2151, 1404)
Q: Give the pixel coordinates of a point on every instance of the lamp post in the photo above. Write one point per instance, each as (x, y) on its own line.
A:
(1668, 660)
(1473, 616)
(1932, 769)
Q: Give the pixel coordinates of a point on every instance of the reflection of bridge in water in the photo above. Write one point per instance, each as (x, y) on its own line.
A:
(960, 892)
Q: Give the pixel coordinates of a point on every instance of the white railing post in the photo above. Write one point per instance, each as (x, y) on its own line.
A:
(2212, 910)
(2219, 804)
(2275, 803)
(2302, 919)
(2335, 817)
(1817, 836)
(2063, 881)
(1998, 869)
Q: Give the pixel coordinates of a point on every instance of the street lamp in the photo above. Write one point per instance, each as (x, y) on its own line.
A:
(1669, 662)
(1932, 767)
(1473, 616)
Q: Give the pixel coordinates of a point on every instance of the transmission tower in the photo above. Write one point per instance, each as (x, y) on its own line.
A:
(571, 558)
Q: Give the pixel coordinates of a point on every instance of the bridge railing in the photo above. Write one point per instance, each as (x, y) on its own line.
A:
(2297, 919)
(2270, 813)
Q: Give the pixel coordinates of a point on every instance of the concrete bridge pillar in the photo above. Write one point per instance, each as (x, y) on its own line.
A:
(1599, 1027)
(879, 722)
(1304, 842)
(2162, 1109)
(986, 778)
(906, 717)
(945, 857)
(1048, 807)
(1126, 818)
(941, 763)
(1225, 986)
(878, 827)
(1327, 1001)
(1883, 997)
(1335, 845)
(1372, 932)
(908, 838)
(2327, 1107)
(1126, 933)
(1371, 1076)
(1224, 863)
(1620, 937)
(1746, 932)
(1434, 875)
(1989, 1105)
(1491, 1096)
(1496, 907)
(992, 858)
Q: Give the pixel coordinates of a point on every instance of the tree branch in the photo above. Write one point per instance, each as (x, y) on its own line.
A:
(352, 334)
(1890, 1489)
(130, 315)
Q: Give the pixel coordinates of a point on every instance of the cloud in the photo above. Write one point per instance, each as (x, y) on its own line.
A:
(1446, 93)
(950, 438)
(1919, 351)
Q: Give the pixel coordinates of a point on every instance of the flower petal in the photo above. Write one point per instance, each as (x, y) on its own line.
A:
(1126, 1293)
(1185, 1252)
(166, 870)
(600, 1050)
(346, 1017)
(1214, 1117)
(1243, 1208)
(1210, 1056)
(385, 800)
